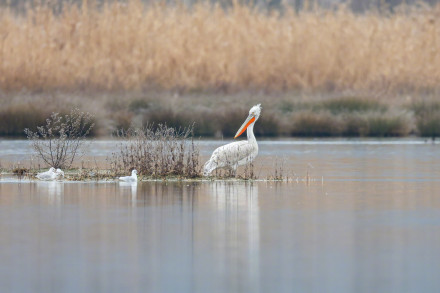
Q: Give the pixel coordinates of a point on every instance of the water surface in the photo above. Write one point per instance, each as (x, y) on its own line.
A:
(372, 225)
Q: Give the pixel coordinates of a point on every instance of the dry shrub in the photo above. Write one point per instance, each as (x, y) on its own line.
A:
(355, 125)
(267, 125)
(122, 119)
(132, 45)
(202, 123)
(210, 123)
(393, 124)
(374, 124)
(427, 115)
(352, 104)
(316, 124)
(229, 121)
(158, 152)
(61, 139)
(14, 119)
(429, 126)
(166, 116)
(138, 106)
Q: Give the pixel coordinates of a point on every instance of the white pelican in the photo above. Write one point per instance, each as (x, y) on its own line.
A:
(48, 175)
(236, 153)
(132, 178)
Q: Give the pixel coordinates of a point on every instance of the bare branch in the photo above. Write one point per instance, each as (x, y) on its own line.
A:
(61, 140)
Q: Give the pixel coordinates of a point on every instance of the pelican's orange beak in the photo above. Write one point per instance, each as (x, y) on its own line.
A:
(249, 121)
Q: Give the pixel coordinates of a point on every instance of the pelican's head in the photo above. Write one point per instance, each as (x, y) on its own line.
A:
(52, 169)
(254, 114)
(255, 111)
(134, 172)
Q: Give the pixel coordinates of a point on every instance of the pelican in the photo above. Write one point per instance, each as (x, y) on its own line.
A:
(48, 175)
(132, 178)
(236, 153)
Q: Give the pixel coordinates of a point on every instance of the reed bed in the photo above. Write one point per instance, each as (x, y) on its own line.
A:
(158, 152)
(132, 45)
(14, 119)
(427, 116)
(211, 116)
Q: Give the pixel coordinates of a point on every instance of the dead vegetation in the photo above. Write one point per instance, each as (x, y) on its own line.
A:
(212, 115)
(157, 152)
(427, 116)
(120, 45)
(62, 138)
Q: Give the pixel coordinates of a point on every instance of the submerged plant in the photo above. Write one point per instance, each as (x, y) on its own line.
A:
(158, 152)
(61, 140)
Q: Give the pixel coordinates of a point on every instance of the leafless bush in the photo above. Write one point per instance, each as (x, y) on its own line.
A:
(158, 152)
(62, 138)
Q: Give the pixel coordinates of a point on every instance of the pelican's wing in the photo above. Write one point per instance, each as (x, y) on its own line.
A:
(231, 153)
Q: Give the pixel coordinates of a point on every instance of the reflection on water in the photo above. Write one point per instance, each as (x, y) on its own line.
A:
(219, 237)
(373, 225)
(129, 188)
(52, 191)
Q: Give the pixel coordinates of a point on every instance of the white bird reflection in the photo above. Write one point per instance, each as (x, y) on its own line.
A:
(54, 190)
(131, 188)
(238, 221)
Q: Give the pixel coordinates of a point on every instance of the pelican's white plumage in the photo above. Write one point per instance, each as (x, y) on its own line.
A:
(237, 153)
(132, 178)
(48, 175)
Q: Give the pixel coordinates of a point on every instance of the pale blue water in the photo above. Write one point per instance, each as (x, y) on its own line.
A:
(372, 225)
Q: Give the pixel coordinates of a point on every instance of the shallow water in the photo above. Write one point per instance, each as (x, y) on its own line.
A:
(371, 225)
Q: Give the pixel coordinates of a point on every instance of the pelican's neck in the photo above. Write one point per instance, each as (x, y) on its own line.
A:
(250, 134)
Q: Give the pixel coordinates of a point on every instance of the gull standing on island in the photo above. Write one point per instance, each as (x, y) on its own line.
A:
(237, 153)
(51, 175)
(132, 178)
(48, 175)
(59, 174)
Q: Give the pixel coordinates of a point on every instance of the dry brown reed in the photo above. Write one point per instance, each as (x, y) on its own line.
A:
(277, 172)
(135, 46)
(211, 115)
(158, 152)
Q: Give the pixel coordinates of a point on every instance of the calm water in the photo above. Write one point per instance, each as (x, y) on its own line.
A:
(373, 225)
